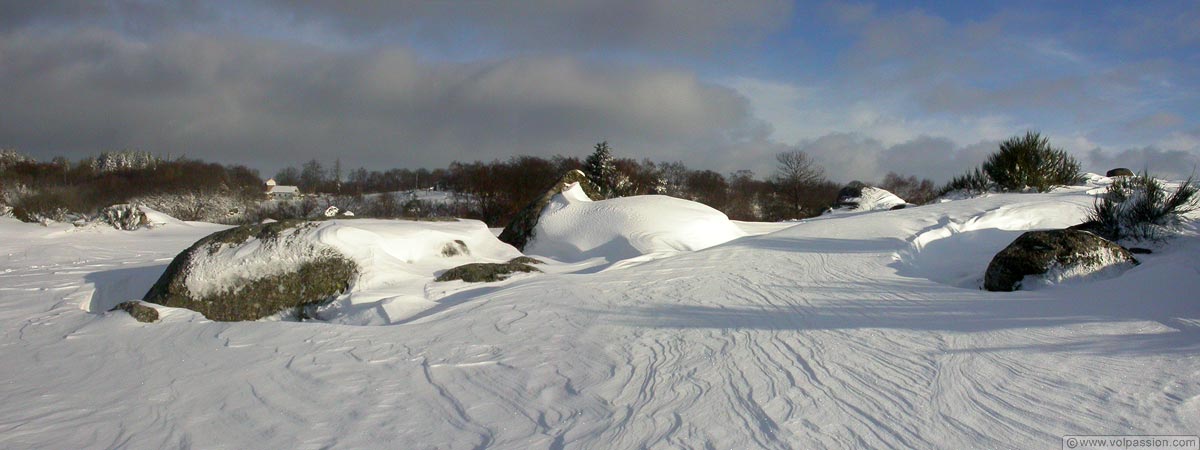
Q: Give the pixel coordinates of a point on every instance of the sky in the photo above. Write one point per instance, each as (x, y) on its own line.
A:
(919, 88)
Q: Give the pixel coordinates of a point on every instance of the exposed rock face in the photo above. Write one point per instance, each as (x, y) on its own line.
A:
(526, 260)
(254, 271)
(519, 232)
(124, 217)
(139, 311)
(488, 272)
(1055, 255)
(1119, 172)
(858, 196)
(848, 196)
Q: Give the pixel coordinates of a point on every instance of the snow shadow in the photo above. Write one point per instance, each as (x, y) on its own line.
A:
(819, 245)
(959, 259)
(112, 287)
(450, 301)
(975, 315)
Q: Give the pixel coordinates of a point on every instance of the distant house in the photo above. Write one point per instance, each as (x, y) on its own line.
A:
(277, 191)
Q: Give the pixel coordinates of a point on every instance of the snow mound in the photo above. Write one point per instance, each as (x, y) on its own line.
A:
(573, 227)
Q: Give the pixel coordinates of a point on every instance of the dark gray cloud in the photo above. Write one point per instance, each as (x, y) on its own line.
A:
(1172, 164)
(267, 103)
(854, 156)
(656, 25)
(539, 24)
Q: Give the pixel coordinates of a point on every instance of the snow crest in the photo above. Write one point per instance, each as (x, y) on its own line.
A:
(573, 227)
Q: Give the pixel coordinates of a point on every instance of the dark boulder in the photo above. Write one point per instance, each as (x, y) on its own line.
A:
(315, 274)
(519, 232)
(1119, 172)
(526, 260)
(849, 195)
(139, 311)
(1055, 255)
(487, 272)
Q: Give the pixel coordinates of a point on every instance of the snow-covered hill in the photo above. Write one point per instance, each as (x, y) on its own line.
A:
(846, 331)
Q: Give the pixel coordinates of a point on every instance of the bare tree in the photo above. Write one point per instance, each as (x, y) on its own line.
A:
(796, 178)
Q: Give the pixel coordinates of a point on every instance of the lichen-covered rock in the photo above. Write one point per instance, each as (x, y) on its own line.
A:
(123, 217)
(1055, 256)
(519, 232)
(526, 260)
(139, 311)
(254, 271)
(486, 272)
(1119, 172)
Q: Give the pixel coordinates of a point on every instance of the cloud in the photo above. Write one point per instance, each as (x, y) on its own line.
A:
(646, 24)
(1154, 122)
(268, 103)
(1174, 164)
(854, 156)
(641, 25)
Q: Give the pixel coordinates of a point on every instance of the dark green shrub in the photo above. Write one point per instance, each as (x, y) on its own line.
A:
(974, 182)
(1141, 208)
(1028, 162)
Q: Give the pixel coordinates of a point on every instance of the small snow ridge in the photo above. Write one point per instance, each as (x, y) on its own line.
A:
(574, 228)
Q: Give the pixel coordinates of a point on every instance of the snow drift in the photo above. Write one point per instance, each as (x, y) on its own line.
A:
(573, 227)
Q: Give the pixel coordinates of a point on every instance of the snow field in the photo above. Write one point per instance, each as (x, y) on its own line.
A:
(839, 332)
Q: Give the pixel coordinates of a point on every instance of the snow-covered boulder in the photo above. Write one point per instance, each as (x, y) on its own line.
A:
(521, 230)
(488, 272)
(375, 271)
(574, 227)
(856, 196)
(253, 271)
(1055, 256)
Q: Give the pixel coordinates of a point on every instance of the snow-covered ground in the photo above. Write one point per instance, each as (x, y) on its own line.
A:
(860, 330)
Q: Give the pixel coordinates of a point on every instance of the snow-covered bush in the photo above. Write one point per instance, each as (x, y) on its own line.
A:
(1141, 208)
(10, 157)
(123, 217)
(213, 207)
(49, 205)
(124, 160)
(1028, 162)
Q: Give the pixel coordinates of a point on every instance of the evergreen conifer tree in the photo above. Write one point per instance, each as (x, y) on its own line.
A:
(601, 170)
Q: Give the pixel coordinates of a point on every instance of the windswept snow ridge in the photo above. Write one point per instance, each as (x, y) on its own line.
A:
(573, 227)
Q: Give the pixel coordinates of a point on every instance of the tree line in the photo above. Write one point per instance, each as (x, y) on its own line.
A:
(495, 191)
(489, 191)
